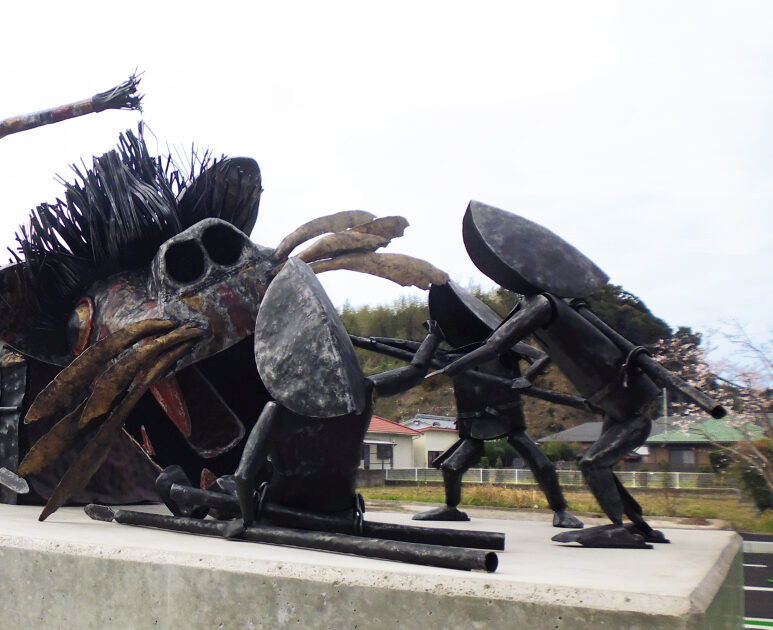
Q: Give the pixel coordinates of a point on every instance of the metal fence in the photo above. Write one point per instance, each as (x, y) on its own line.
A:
(518, 476)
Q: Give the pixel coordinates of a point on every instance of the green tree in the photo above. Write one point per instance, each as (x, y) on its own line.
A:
(499, 451)
(561, 451)
(629, 315)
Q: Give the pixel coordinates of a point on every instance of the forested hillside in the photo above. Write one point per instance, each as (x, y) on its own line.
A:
(403, 319)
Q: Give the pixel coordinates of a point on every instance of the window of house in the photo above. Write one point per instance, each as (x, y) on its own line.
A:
(384, 451)
(682, 457)
(432, 456)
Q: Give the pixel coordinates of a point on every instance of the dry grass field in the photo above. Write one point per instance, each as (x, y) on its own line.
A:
(741, 516)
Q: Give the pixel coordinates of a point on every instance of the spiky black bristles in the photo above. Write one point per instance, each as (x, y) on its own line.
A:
(116, 214)
(113, 217)
(123, 96)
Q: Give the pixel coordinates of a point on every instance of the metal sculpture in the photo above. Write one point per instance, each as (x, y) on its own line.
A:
(140, 296)
(144, 279)
(315, 428)
(619, 380)
(312, 434)
(486, 409)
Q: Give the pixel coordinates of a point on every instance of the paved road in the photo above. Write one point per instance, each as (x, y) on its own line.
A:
(758, 584)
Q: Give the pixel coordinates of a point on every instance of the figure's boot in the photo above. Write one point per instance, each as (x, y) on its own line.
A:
(645, 531)
(633, 511)
(602, 483)
(545, 474)
(452, 480)
(548, 481)
(562, 518)
(614, 535)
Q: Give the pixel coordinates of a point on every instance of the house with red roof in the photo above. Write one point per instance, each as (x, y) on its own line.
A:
(436, 435)
(388, 444)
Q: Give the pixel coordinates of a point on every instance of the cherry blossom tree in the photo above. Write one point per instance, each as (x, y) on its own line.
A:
(743, 386)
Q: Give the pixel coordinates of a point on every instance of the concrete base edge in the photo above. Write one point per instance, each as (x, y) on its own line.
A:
(76, 573)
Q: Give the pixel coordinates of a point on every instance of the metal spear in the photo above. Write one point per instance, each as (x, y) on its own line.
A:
(123, 96)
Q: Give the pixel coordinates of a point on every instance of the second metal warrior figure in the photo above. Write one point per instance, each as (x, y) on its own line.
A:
(488, 406)
(487, 410)
(618, 379)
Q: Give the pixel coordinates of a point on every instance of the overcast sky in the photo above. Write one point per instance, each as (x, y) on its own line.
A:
(640, 132)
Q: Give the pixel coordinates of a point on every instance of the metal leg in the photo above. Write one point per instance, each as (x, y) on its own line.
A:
(617, 440)
(545, 474)
(453, 468)
(542, 467)
(254, 455)
(456, 465)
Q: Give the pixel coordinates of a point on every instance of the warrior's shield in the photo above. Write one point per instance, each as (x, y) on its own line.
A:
(525, 257)
(302, 350)
(463, 318)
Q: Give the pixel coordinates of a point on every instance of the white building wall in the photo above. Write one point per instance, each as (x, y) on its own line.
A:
(402, 450)
(432, 440)
(419, 452)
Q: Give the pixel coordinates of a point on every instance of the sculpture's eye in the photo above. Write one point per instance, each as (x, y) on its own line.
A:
(80, 325)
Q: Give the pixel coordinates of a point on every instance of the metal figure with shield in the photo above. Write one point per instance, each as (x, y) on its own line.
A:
(618, 379)
(310, 435)
(486, 409)
(315, 428)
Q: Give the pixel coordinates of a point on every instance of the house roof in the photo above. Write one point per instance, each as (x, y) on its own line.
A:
(382, 425)
(424, 421)
(585, 432)
(704, 431)
(590, 432)
(726, 430)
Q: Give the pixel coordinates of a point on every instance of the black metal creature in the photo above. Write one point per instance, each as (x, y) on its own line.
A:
(143, 279)
(617, 378)
(314, 430)
(487, 409)
(312, 433)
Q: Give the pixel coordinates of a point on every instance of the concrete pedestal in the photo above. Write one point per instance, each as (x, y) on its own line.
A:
(71, 572)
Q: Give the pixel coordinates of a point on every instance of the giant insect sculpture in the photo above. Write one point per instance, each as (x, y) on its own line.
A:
(312, 433)
(488, 405)
(619, 380)
(143, 280)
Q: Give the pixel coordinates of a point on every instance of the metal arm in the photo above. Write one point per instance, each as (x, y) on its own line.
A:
(653, 369)
(404, 349)
(403, 378)
(536, 312)
(537, 368)
(560, 398)
(530, 353)
(382, 345)
(400, 349)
